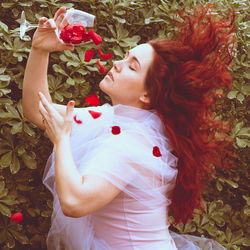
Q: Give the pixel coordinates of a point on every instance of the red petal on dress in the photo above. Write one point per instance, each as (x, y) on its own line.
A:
(104, 56)
(88, 55)
(92, 100)
(76, 120)
(95, 114)
(17, 217)
(116, 130)
(156, 152)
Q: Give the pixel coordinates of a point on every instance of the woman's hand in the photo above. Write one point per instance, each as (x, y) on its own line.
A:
(45, 38)
(57, 127)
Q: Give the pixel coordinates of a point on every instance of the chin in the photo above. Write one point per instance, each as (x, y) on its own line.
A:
(103, 86)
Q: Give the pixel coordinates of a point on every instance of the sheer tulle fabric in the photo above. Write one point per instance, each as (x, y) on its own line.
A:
(127, 161)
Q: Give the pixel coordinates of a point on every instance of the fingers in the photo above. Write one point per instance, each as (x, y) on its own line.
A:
(43, 112)
(69, 47)
(47, 23)
(70, 110)
(59, 12)
(47, 106)
(42, 21)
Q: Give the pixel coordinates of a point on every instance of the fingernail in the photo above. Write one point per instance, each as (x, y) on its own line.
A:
(71, 103)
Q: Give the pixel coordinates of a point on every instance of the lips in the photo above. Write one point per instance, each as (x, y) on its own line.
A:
(111, 75)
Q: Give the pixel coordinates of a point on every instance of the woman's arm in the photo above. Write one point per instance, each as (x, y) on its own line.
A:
(35, 76)
(77, 197)
(35, 80)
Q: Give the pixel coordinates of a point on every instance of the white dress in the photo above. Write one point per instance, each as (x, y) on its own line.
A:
(127, 147)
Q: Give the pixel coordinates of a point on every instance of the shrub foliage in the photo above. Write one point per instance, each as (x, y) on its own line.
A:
(122, 25)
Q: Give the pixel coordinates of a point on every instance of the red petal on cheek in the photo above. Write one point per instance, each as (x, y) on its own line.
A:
(17, 217)
(76, 120)
(156, 152)
(89, 54)
(96, 38)
(102, 69)
(116, 130)
(104, 56)
(92, 100)
(95, 114)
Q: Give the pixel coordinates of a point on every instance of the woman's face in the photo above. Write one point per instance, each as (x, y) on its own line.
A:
(124, 83)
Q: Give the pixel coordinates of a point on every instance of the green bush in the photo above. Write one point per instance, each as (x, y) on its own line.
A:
(24, 148)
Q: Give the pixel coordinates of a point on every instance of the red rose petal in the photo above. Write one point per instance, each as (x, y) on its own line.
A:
(76, 120)
(89, 54)
(95, 114)
(116, 130)
(102, 69)
(86, 37)
(76, 39)
(96, 38)
(17, 217)
(92, 100)
(156, 152)
(73, 33)
(104, 56)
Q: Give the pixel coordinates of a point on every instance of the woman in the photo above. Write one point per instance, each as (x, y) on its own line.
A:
(114, 172)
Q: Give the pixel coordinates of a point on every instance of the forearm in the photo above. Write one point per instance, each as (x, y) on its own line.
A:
(68, 180)
(35, 80)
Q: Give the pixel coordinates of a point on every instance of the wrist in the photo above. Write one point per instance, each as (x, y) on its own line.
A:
(39, 51)
(62, 140)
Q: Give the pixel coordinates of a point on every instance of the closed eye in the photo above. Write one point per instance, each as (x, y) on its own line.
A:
(132, 68)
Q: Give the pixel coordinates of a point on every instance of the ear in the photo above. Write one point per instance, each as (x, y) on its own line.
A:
(144, 98)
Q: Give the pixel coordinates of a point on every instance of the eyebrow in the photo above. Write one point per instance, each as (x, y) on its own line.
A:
(134, 58)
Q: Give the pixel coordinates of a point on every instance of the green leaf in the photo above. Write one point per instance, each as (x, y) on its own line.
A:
(2, 70)
(10, 242)
(4, 78)
(29, 162)
(5, 210)
(244, 132)
(7, 5)
(19, 236)
(74, 64)
(4, 26)
(70, 81)
(219, 186)
(6, 159)
(246, 242)
(232, 94)
(242, 143)
(9, 202)
(231, 183)
(240, 97)
(28, 129)
(12, 111)
(246, 90)
(15, 165)
(58, 69)
(17, 128)
(219, 220)
(58, 97)
(3, 192)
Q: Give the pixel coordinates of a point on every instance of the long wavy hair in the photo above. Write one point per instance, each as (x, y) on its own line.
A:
(183, 84)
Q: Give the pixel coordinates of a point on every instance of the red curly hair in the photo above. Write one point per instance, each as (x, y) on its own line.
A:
(182, 84)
